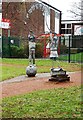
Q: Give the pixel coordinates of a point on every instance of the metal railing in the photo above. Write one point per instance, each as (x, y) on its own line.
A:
(73, 49)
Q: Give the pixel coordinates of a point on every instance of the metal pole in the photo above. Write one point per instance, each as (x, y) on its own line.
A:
(2, 47)
(69, 51)
(9, 42)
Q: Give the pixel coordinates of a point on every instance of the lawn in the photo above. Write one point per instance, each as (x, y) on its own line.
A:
(55, 103)
(16, 67)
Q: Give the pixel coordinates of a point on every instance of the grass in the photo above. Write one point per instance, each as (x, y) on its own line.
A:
(73, 57)
(16, 67)
(0, 69)
(55, 103)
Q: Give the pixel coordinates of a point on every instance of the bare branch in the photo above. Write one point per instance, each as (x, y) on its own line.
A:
(77, 9)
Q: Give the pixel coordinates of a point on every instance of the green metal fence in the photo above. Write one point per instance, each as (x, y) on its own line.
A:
(7, 43)
(73, 49)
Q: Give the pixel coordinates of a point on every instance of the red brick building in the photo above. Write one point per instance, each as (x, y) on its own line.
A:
(36, 16)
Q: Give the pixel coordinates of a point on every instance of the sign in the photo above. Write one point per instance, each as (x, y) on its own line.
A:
(78, 30)
(5, 23)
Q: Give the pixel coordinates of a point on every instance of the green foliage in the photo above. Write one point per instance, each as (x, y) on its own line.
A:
(21, 52)
(5, 40)
(74, 50)
(14, 50)
(18, 52)
(55, 103)
(79, 50)
(7, 45)
(5, 51)
(63, 49)
(39, 50)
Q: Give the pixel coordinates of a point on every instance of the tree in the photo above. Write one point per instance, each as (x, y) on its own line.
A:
(77, 10)
(15, 12)
(21, 21)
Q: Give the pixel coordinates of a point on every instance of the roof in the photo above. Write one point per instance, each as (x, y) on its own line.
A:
(49, 5)
(71, 21)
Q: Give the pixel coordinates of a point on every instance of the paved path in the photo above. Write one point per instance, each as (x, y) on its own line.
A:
(23, 84)
(25, 77)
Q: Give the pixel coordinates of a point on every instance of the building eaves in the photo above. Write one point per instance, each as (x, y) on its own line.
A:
(49, 5)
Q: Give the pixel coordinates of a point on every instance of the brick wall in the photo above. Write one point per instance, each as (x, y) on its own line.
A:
(52, 20)
(20, 25)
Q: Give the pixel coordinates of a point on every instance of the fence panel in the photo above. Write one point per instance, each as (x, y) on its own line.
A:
(77, 48)
(7, 44)
(73, 48)
(70, 48)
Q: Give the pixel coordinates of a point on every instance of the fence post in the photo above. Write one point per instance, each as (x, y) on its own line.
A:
(69, 51)
(2, 46)
(9, 42)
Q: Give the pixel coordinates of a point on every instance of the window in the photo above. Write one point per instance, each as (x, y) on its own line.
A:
(62, 25)
(66, 28)
(68, 25)
(68, 31)
(63, 31)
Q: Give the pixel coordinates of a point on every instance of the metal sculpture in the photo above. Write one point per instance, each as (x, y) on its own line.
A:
(31, 70)
(57, 74)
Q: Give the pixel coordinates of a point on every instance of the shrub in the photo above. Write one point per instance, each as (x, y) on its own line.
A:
(73, 50)
(63, 49)
(79, 50)
(18, 52)
(13, 50)
(9, 49)
(39, 50)
(5, 51)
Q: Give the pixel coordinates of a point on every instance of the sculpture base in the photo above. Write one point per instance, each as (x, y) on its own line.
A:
(58, 74)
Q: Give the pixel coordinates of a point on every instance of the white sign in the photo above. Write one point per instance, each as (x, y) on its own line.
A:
(4, 25)
(78, 30)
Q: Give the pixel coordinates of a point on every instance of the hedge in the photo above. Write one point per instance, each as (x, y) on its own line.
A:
(21, 52)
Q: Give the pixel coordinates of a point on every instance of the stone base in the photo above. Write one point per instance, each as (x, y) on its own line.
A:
(59, 75)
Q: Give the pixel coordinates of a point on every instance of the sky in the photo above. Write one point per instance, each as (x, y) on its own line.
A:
(64, 6)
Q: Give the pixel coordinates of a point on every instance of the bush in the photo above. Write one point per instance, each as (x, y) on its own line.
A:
(5, 51)
(18, 52)
(9, 49)
(13, 50)
(63, 49)
(73, 50)
(39, 50)
(79, 50)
